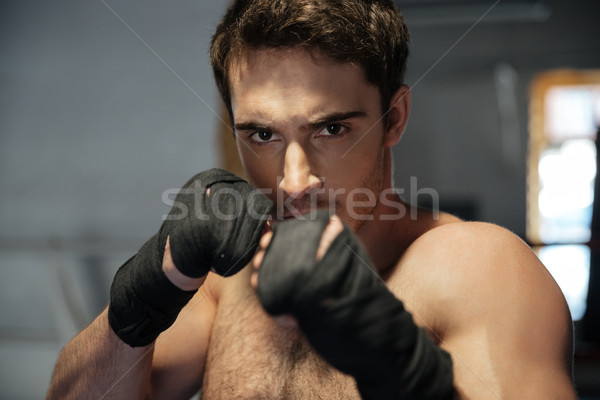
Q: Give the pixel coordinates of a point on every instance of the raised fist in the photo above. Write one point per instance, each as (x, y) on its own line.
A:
(216, 222)
(347, 313)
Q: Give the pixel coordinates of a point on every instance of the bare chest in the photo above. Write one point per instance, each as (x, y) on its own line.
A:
(252, 357)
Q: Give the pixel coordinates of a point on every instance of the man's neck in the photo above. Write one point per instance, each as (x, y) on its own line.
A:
(383, 235)
(383, 238)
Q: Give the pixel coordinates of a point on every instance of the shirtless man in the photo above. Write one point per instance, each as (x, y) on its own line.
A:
(315, 91)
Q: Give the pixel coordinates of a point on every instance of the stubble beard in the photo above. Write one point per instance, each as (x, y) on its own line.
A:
(374, 183)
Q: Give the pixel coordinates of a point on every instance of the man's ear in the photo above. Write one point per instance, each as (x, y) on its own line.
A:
(397, 116)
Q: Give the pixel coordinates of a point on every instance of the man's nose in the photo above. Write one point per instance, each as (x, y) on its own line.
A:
(298, 178)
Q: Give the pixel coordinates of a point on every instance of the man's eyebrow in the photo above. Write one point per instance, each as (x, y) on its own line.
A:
(327, 119)
(251, 126)
(334, 117)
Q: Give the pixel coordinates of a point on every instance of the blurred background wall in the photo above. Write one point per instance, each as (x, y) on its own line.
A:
(104, 105)
(93, 128)
(461, 139)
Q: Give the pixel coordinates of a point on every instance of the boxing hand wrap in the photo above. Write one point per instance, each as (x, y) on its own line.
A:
(219, 229)
(143, 301)
(349, 316)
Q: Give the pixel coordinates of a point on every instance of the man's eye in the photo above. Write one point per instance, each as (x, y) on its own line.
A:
(334, 129)
(264, 136)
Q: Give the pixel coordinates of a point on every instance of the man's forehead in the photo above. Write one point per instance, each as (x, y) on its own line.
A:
(297, 79)
(283, 70)
(271, 57)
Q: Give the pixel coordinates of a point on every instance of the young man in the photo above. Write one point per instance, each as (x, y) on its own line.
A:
(314, 89)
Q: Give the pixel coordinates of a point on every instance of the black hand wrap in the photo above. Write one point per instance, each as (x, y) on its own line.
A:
(349, 316)
(219, 230)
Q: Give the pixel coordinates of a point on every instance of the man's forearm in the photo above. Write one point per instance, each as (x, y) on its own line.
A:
(113, 355)
(97, 364)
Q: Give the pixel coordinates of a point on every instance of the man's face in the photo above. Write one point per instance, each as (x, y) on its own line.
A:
(308, 132)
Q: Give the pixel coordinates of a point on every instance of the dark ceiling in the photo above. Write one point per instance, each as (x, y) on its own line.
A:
(524, 33)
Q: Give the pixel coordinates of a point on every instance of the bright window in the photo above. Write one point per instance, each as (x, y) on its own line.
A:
(564, 121)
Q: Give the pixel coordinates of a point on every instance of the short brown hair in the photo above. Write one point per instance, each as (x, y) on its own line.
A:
(371, 33)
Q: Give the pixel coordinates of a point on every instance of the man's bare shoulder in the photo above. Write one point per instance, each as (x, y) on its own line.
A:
(473, 282)
(462, 249)
(489, 301)
(478, 261)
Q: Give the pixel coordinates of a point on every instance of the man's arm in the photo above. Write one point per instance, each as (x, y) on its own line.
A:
(97, 364)
(494, 307)
(180, 351)
(154, 291)
(346, 312)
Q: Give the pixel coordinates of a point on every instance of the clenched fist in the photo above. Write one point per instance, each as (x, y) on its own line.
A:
(328, 285)
(215, 223)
